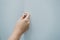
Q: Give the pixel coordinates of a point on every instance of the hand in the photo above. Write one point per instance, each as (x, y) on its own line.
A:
(21, 26)
(23, 23)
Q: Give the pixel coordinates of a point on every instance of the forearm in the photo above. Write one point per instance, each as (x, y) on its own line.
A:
(16, 35)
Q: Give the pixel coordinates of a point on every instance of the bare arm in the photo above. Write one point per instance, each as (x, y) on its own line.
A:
(21, 26)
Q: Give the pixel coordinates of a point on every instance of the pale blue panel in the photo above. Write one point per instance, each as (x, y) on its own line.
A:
(11, 10)
(45, 19)
(45, 24)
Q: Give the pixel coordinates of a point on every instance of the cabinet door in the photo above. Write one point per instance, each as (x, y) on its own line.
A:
(45, 19)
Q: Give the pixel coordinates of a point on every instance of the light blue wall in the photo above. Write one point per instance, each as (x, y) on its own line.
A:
(11, 10)
(45, 18)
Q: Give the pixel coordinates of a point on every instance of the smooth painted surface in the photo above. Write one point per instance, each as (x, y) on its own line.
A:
(10, 11)
(45, 19)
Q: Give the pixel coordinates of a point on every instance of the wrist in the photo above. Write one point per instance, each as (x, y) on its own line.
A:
(16, 34)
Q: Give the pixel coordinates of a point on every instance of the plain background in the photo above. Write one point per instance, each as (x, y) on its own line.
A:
(45, 18)
(10, 11)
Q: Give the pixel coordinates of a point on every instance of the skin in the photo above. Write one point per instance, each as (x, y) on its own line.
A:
(21, 26)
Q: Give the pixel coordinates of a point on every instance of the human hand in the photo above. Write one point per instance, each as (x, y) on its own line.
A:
(23, 23)
(21, 26)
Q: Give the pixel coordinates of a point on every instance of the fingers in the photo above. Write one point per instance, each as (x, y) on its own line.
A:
(25, 16)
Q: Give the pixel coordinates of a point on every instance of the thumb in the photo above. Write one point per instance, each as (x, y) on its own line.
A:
(27, 15)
